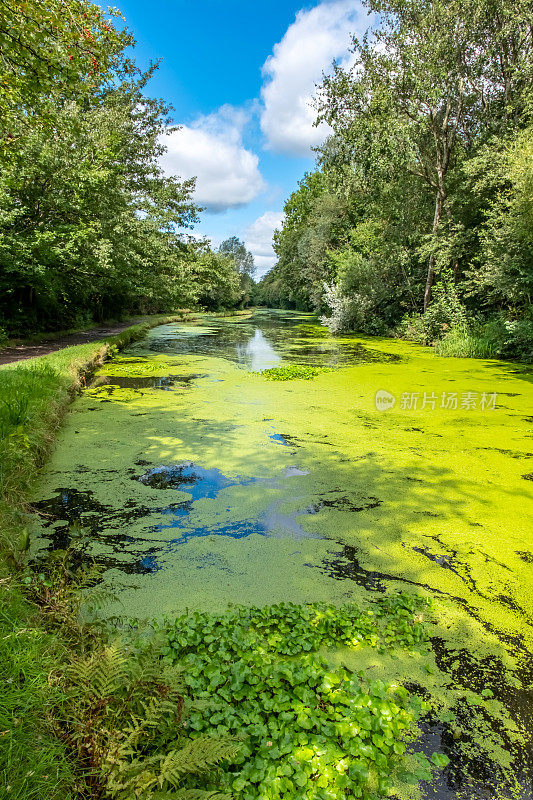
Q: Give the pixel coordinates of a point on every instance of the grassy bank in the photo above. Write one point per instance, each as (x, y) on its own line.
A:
(34, 397)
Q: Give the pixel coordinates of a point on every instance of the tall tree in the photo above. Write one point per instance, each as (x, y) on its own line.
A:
(56, 50)
(235, 249)
(427, 81)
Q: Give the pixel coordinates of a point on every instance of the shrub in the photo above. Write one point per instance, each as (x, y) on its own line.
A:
(444, 313)
(353, 313)
(413, 328)
(494, 338)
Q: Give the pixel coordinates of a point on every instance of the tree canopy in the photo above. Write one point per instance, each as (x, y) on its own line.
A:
(90, 226)
(420, 192)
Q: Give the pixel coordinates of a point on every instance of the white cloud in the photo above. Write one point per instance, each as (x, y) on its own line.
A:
(310, 44)
(258, 239)
(211, 149)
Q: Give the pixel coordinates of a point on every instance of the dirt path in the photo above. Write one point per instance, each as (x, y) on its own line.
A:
(21, 352)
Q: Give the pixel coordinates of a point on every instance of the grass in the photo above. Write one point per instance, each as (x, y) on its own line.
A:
(33, 761)
(34, 397)
(463, 342)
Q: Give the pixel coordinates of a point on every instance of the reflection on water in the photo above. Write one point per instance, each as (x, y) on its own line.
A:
(71, 514)
(257, 353)
(197, 481)
(262, 341)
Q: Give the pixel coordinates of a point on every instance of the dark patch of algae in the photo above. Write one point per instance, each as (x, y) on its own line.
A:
(359, 501)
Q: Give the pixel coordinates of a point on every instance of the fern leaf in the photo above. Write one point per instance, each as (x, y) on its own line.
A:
(197, 756)
(103, 673)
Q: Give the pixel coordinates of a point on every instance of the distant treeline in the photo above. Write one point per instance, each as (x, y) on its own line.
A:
(90, 227)
(419, 216)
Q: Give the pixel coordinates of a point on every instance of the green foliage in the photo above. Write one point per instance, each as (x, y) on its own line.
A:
(33, 760)
(91, 228)
(308, 731)
(426, 179)
(289, 372)
(85, 237)
(244, 265)
(61, 49)
(125, 721)
(445, 312)
(503, 171)
(496, 337)
(28, 397)
(216, 283)
(244, 260)
(316, 220)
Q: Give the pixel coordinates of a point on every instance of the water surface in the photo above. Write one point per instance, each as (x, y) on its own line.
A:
(194, 482)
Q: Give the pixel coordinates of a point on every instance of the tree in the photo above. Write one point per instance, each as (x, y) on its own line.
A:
(244, 264)
(216, 281)
(58, 50)
(435, 74)
(88, 222)
(503, 271)
(316, 219)
(235, 249)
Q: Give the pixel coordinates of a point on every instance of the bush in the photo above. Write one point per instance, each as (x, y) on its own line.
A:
(413, 328)
(517, 339)
(494, 338)
(446, 312)
(355, 312)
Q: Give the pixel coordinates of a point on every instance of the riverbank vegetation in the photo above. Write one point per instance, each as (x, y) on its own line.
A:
(418, 218)
(34, 651)
(90, 226)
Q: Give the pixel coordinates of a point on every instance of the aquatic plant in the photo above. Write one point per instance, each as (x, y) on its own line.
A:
(308, 730)
(290, 372)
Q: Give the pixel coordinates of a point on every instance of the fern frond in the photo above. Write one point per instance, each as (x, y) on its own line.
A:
(197, 756)
(103, 673)
(157, 714)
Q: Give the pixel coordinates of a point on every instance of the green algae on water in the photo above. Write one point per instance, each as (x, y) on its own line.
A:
(326, 497)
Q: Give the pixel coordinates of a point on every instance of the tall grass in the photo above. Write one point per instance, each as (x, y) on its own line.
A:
(495, 337)
(33, 762)
(464, 342)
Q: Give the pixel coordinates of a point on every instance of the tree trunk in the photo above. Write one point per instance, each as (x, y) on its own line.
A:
(431, 266)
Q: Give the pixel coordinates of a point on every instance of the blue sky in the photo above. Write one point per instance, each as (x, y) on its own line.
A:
(241, 77)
